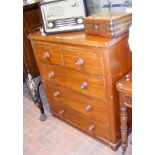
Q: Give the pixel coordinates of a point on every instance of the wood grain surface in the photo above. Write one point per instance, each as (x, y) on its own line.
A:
(80, 82)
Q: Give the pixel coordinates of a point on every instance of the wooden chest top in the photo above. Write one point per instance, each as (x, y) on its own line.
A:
(124, 85)
(110, 18)
(78, 38)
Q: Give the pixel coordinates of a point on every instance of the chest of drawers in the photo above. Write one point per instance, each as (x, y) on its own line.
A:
(79, 73)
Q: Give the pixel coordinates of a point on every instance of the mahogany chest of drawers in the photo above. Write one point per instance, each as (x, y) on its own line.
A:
(79, 74)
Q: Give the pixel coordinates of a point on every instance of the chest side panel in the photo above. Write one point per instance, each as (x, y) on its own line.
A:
(118, 61)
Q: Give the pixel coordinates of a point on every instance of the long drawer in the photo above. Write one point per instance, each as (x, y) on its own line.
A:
(90, 107)
(83, 61)
(77, 119)
(50, 54)
(89, 85)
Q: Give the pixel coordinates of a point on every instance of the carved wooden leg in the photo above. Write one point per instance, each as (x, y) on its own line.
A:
(124, 127)
(39, 103)
(35, 94)
(42, 117)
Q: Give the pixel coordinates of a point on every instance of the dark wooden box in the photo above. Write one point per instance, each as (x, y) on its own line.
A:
(108, 24)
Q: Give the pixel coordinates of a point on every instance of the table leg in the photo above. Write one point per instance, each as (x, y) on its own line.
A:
(124, 127)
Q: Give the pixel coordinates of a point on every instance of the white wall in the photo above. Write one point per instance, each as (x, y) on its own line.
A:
(96, 6)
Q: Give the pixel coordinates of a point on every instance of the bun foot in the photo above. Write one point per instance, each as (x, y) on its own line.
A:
(43, 117)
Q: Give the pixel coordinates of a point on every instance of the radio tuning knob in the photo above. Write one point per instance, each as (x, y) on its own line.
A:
(50, 25)
(79, 20)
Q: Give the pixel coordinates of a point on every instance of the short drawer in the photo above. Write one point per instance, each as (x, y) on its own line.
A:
(89, 85)
(48, 54)
(81, 121)
(88, 106)
(89, 62)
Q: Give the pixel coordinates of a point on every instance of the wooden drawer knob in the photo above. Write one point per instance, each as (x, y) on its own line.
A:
(79, 62)
(88, 108)
(61, 112)
(51, 75)
(56, 94)
(84, 85)
(46, 55)
(91, 127)
(96, 26)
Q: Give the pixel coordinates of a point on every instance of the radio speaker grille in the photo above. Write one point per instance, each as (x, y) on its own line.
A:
(65, 22)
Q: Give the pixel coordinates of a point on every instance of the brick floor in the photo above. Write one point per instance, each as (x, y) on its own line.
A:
(54, 137)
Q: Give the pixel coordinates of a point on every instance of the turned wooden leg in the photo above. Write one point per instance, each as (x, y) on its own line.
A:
(124, 127)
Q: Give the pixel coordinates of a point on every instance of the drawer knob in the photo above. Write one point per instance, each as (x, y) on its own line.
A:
(96, 26)
(61, 112)
(91, 127)
(46, 55)
(56, 94)
(79, 62)
(51, 75)
(84, 85)
(88, 108)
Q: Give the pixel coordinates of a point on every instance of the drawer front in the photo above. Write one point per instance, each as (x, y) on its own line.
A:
(79, 120)
(89, 85)
(48, 54)
(88, 62)
(88, 106)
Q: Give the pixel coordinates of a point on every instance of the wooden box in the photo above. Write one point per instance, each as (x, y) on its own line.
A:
(108, 24)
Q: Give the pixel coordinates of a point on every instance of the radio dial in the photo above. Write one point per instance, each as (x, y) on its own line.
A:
(79, 20)
(50, 25)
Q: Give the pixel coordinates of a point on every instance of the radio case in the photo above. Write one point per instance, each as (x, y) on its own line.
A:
(60, 16)
(108, 24)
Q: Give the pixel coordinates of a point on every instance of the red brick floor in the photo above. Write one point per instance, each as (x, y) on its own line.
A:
(54, 137)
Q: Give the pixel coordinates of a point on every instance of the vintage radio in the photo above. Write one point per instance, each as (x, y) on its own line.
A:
(63, 15)
(108, 24)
